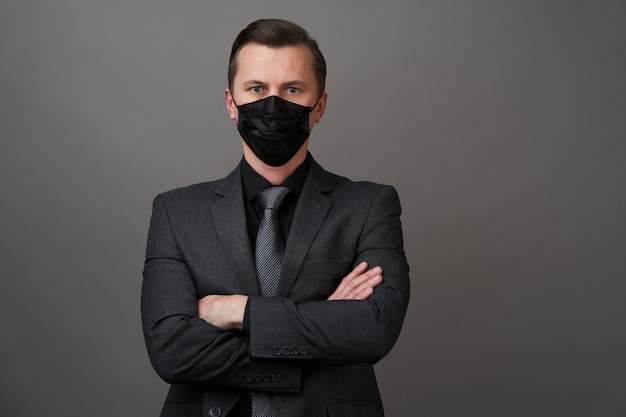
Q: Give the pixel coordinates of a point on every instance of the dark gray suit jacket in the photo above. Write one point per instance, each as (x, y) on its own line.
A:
(315, 355)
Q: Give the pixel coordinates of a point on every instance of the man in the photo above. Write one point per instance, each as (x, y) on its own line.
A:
(251, 313)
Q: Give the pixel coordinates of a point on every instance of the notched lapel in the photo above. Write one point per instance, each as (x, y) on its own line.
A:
(228, 213)
(311, 211)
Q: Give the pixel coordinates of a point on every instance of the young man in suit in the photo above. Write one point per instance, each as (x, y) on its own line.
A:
(339, 285)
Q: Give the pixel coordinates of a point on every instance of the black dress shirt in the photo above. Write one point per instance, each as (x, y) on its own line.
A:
(253, 183)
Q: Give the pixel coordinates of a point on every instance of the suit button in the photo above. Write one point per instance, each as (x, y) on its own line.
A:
(276, 351)
(249, 378)
(285, 351)
(267, 378)
(215, 412)
(304, 350)
(258, 378)
(294, 351)
(275, 377)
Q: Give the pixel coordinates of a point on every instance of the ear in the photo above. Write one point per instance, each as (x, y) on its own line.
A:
(319, 109)
(230, 104)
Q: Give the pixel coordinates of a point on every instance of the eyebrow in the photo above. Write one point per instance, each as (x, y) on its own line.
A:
(298, 83)
(253, 82)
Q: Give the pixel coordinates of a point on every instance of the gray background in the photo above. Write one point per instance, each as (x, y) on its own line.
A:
(502, 125)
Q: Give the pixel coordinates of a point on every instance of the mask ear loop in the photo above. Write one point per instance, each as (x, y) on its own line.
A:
(315, 105)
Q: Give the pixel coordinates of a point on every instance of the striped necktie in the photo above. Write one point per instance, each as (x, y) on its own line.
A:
(268, 258)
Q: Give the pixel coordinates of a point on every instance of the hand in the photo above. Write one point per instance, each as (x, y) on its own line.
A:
(223, 311)
(358, 284)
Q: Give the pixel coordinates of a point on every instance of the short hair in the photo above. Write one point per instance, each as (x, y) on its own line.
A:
(276, 33)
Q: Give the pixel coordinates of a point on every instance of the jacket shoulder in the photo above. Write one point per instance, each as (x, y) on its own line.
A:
(190, 191)
(202, 192)
(357, 190)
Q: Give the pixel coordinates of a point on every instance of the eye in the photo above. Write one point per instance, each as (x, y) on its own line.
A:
(292, 90)
(256, 89)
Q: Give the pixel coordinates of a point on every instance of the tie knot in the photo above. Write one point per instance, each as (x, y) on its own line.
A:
(272, 197)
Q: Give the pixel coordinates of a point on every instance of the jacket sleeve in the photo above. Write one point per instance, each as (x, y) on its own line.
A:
(343, 331)
(184, 348)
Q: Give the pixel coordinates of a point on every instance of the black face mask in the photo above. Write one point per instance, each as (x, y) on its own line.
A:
(275, 129)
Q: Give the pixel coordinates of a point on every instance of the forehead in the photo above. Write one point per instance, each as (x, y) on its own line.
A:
(260, 62)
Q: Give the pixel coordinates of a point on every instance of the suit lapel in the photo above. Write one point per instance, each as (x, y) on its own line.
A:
(311, 211)
(228, 213)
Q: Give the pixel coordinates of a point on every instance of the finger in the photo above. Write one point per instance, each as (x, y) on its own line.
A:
(350, 283)
(366, 276)
(345, 286)
(356, 281)
(366, 288)
(358, 270)
(361, 289)
(364, 294)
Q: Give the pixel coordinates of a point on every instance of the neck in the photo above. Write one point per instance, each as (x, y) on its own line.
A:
(275, 175)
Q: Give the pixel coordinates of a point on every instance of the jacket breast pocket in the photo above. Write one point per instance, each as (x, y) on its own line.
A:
(318, 278)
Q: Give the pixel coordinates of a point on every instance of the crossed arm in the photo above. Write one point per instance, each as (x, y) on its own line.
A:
(227, 311)
(189, 339)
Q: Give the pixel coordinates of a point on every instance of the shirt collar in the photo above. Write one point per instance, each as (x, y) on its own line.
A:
(253, 182)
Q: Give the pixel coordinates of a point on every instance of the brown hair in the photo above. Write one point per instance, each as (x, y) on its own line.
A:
(276, 33)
